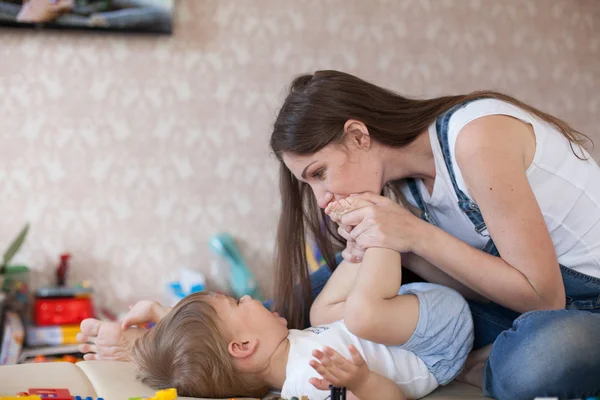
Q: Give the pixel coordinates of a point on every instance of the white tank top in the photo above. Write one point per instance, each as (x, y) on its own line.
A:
(566, 188)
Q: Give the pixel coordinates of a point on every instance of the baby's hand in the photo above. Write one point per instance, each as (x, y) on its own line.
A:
(338, 371)
(143, 312)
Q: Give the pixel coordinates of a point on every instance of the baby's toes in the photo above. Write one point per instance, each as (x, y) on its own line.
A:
(352, 203)
(334, 212)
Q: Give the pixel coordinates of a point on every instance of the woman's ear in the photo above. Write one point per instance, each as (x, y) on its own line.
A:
(357, 134)
(242, 348)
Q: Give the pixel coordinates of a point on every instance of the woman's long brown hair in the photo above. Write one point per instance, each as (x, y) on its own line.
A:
(312, 116)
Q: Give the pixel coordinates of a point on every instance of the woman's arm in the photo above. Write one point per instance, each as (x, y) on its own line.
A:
(490, 153)
(414, 263)
(430, 272)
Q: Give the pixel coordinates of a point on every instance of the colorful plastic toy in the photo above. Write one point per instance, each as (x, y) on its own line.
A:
(66, 358)
(62, 305)
(26, 397)
(313, 256)
(165, 394)
(242, 280)
(62, 311)
(45, 393)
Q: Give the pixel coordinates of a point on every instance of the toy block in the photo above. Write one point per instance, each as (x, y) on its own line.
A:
(35, 397)
(56, 394)
(165, 394)
(87, 398)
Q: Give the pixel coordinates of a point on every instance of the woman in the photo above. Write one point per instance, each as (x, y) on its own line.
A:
(510, 216)
(505, 209)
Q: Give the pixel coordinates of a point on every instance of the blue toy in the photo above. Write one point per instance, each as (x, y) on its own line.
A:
(242, 281)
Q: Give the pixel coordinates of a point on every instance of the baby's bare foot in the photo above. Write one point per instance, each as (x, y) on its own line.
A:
(104, 340)
(332, 210)
(337, 209)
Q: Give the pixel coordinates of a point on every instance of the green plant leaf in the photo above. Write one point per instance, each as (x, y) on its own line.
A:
(14, 248)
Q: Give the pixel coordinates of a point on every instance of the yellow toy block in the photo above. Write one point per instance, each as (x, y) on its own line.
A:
(165, 394)
(34, 397)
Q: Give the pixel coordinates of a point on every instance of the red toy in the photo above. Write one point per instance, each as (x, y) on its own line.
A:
(62, 311)
(56, 394)
(62, 305)
(61, 271)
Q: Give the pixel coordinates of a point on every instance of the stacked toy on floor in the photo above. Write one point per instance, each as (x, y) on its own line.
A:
(64, 394)
(57, 312)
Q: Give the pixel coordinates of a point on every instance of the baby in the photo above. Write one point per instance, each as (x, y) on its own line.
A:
(392, 341)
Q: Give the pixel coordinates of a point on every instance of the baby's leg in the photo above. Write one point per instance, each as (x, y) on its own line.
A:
(330, 305)
(377, 262)
(432, 321)
(373, 256)
(374, 310)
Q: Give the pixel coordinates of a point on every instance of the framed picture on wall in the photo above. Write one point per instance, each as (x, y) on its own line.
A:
(108, 15)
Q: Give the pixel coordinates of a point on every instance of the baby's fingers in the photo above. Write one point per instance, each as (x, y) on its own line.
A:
(356, 357)
(337, 360)
(320, 384)
(324, 371)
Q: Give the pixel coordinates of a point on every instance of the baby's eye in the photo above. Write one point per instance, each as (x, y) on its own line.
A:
(238, 302)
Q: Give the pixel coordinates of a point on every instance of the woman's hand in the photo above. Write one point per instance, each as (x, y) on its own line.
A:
(385, 224)
(353, 252)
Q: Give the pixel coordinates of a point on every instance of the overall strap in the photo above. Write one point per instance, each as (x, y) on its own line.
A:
(416, 193)
(466, 205)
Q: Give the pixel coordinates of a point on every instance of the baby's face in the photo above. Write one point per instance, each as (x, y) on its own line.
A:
(248, 316)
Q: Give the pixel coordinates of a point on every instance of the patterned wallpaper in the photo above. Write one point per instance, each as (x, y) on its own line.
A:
(130, 151)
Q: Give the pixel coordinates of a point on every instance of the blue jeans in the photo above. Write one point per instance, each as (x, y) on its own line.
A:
(539, 353)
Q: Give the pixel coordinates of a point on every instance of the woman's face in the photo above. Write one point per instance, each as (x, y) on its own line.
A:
(338, 170)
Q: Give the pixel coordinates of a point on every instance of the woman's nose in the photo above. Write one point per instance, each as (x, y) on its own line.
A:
(325, 199)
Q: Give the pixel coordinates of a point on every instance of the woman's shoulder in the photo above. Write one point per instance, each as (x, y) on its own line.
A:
(484, 108)
(490, 125)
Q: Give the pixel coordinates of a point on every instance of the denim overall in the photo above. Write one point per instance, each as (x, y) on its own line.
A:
(536, 353)
(554, 353)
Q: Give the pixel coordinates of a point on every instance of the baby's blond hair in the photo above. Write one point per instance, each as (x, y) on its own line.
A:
(187, 350)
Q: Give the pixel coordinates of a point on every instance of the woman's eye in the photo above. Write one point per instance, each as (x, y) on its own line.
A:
(318, 174)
